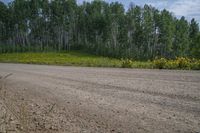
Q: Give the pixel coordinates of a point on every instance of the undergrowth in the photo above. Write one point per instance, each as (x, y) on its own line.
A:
(75, 58)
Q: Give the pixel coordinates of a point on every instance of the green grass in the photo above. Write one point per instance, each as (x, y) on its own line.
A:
(68, 58)
(75, 58)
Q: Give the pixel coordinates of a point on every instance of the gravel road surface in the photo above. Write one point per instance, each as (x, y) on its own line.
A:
(41, 98)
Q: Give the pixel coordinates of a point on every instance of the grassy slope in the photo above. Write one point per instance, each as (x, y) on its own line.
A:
(68, 58)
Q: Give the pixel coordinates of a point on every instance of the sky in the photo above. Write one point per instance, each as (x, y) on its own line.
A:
(188, 8)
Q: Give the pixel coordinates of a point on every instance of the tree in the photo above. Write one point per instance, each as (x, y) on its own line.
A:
(117, 27)
(194, 38)
(181, 39)
(99, 27)
(165, 30)
(148, 27)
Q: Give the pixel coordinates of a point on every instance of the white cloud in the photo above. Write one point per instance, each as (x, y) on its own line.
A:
(188, 8)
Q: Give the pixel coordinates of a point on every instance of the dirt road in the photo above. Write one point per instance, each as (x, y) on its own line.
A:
(40, 98)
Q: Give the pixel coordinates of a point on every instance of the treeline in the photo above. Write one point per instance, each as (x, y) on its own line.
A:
(98, 27)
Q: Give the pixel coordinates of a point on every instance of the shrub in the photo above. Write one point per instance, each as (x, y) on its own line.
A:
(183, 63)
(127, 63)
(195, 65)
(178, 63)
(171, 64)
(159, 63)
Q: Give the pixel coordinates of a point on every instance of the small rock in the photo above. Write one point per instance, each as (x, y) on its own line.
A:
(112, 130)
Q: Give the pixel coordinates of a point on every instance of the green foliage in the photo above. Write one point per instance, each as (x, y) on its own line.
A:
(126, 63)
(183, 63)
(100, 27)
(160, 63)
(171, 64)
(195, 65)
(78, 58)
(178, 63)
(69, 58)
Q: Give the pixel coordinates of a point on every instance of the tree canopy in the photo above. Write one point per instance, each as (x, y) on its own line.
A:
(99, 27)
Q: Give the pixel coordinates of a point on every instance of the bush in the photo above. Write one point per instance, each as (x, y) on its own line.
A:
(127, 63)
(159, 63)
(183, 63)
(195, 65)
(178, 63)
(171, 64)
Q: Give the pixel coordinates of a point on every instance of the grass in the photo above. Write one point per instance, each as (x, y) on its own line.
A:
(77, 58)
(74, 58)
(63, 58)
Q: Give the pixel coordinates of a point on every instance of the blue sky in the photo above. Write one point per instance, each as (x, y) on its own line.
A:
(188, 8)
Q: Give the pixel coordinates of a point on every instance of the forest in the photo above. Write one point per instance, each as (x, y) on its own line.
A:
(98, 27)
